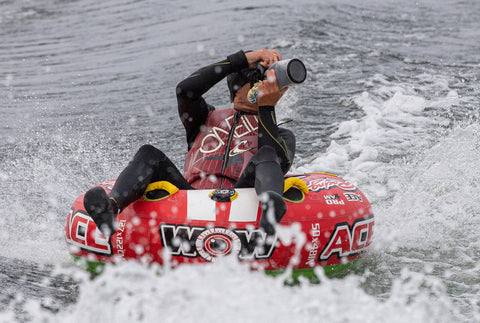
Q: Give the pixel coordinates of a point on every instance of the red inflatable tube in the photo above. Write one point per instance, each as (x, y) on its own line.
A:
(331, 224)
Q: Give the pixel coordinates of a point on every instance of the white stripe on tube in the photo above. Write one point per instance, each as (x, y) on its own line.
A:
(244, 208)
(200, 206)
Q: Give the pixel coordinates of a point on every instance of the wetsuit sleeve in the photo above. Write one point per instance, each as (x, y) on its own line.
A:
(282, 140)
(192, 108)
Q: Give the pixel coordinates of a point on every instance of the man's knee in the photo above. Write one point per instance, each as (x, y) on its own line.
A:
(149, 153)
(147, 149)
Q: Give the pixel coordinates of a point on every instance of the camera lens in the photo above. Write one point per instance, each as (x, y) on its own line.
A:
(297, 72)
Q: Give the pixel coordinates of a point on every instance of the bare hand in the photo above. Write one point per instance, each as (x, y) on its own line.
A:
(266, 56)
(268, 90)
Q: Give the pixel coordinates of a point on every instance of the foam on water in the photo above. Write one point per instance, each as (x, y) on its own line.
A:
(438, 194)
(228, 291)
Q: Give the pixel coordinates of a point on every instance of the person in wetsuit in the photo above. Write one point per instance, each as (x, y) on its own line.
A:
(259, 155)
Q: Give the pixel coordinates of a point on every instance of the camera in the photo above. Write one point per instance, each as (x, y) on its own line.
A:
(288, 72)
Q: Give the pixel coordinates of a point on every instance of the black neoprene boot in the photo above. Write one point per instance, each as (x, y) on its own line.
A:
(273, 210)
(101, 210)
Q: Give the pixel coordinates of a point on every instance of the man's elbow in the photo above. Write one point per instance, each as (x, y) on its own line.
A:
(179, 90)
(183, 92)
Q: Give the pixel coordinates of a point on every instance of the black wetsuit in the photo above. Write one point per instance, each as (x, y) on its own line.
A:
(265, 171)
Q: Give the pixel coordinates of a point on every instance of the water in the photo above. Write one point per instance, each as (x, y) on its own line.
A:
(390, 103)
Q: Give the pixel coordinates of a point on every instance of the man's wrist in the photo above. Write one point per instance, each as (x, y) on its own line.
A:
(266, 107)
(238, 60)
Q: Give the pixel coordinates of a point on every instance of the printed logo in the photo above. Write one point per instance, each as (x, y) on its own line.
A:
(333, 199)
(213, 141)
(352, 197)
(319, 184)
(347, 241)
(209, 243)
(217, 242)
(315, 244)
(237, 150)
(82, 232)
(119, 240)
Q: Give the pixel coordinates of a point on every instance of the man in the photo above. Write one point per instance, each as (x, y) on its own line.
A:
(237, 147)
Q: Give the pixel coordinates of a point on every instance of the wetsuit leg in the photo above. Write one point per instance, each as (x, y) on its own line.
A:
(290, 143)
(148, 165)
(263, 172)
(266, 169)
(276, 147)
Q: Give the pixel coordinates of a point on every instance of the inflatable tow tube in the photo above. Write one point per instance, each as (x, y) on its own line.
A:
(331, 219)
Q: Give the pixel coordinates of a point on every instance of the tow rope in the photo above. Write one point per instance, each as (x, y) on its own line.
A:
(226, 155)
(226, 194)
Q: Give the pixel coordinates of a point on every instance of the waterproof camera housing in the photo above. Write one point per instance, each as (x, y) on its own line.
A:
(288, 72)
